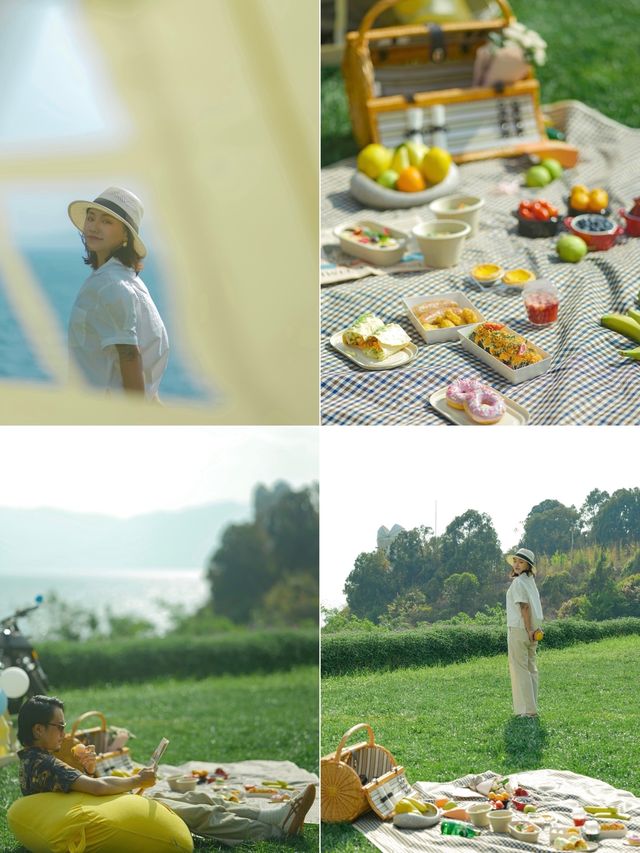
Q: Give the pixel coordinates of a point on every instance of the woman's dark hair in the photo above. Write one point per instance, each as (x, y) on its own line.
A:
(38, 709)
(125, 254)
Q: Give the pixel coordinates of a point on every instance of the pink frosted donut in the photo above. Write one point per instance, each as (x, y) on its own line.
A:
(486, 406)
(459, 390)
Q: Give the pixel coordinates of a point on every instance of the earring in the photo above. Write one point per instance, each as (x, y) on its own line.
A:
(125, 243)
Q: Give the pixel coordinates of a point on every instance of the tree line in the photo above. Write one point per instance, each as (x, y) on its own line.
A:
(588, 566)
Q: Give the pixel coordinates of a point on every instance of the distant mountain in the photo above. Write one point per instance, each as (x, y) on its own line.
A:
(53, 539)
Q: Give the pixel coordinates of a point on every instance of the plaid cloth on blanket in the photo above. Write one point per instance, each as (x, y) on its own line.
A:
(555, 791)
(587, 383)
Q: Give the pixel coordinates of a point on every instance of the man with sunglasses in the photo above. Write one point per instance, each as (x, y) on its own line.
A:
(41, 728)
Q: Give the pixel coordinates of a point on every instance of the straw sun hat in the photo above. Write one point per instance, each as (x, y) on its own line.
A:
(117, 202)
(524, 554)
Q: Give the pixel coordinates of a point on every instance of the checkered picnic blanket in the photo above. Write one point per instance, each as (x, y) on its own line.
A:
(587, 383)
(554, 791)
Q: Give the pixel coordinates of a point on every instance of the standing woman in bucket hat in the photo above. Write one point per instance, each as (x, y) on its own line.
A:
(524, 618)
(116, 335)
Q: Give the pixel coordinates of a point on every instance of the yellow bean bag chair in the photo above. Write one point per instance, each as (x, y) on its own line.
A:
(83, 823)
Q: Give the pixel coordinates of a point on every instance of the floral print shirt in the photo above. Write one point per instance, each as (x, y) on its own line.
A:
(41, 772)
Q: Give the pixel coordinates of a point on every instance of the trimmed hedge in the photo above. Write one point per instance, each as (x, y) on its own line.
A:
(381, 650)
(117, 661)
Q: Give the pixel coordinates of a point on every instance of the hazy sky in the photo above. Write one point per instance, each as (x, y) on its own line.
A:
(372, 476)
(125, 471)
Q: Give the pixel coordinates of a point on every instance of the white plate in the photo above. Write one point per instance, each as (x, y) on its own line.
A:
(372, 254)
(374, 195)
(515, 377)
(591, 845)
(398, 359)
(438, 336)
(516, 415)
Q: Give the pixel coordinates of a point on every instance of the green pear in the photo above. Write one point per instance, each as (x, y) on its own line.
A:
(400, 159)
(388, 178)
(417, 150)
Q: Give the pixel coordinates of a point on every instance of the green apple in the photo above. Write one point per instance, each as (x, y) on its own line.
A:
(538, 176)
(417, 150)
(450, 805)
(388, 178)
(553, 167)
(528, 809)
(571, 248)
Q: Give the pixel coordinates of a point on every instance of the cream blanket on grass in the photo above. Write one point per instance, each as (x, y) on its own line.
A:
(245, 773)
(556, 791)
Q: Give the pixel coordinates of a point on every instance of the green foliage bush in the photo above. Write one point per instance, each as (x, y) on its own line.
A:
(439, 646)
(120, 661)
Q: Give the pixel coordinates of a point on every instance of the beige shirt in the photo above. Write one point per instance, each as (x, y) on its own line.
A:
(523, 590)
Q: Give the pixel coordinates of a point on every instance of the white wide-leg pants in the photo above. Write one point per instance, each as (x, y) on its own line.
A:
(523, 671)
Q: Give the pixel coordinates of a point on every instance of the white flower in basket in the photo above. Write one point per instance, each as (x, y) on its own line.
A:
(508, 56)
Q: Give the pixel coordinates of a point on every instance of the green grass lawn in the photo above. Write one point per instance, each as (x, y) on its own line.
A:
(591, 57)
(444, 722)
(217, 719)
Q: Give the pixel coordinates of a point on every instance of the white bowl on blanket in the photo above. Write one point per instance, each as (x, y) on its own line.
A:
(411, 820)
(182, 784)
(500, 819)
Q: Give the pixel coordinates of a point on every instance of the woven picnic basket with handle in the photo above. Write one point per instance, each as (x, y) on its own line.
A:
(101, 737)
(358, 778)
(390, 70)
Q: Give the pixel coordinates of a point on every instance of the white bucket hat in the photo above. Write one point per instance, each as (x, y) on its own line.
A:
(119, 203)
(526, 555)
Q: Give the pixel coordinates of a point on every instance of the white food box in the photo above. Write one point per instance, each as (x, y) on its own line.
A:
(371, 253)
(438, 336)
(514, 376)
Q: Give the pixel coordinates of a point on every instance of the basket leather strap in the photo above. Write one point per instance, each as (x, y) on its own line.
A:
(437, 47)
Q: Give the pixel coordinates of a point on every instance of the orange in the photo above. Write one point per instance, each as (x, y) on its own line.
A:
(410, 180)
(598, 200)
(441, 801)
(580, 200)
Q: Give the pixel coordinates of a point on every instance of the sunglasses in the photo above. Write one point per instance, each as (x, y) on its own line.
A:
(61, 726)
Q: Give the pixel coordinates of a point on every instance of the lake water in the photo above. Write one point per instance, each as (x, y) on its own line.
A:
(61, 273)
(134, 592)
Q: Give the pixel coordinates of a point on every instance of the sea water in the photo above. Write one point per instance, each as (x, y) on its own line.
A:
(134, 592)
(60, 272)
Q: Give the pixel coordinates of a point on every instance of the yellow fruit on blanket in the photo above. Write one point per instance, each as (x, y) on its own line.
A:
(400, 159)
(405, 806)
(374, 159)
(410, 180)
(436, 164)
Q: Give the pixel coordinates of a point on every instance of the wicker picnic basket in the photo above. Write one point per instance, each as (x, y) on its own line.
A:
(102, 737)
(358, 778)
(390, 70)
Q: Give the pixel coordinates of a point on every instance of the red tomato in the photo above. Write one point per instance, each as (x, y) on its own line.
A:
(526, 213)
(540, 211)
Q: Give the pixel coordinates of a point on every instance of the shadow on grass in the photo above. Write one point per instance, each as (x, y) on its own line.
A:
(524, 741)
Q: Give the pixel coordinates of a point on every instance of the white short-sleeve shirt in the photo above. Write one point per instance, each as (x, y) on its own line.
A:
(114, 307)
(523, 589)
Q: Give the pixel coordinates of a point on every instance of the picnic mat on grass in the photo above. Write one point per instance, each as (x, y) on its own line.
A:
(588, 382)
(556, 791)
(245, 773)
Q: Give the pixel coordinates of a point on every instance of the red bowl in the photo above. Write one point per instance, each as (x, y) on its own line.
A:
(633, 223)
(597, 241)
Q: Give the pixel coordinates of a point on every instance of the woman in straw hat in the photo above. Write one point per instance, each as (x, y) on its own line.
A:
(116, 335)
(524, 617)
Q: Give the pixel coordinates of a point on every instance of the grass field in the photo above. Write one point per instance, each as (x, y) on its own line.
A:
(443, 722)
(591, 57)
(217, 719)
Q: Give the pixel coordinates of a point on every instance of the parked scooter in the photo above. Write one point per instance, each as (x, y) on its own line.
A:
(17, 650)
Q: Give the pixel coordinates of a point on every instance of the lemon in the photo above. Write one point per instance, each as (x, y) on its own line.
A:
(374, 159)
(436, 164)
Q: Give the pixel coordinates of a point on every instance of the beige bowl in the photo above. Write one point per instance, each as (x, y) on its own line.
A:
(463, 208)
(500, 820)
(441, 241)
(182, 784)
(479, 814)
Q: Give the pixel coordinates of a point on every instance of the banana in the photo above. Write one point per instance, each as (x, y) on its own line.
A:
(631, 353)
(635, 315)
(418, 804)
(623, 325)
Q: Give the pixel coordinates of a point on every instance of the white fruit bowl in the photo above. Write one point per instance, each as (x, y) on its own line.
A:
(374, 195)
